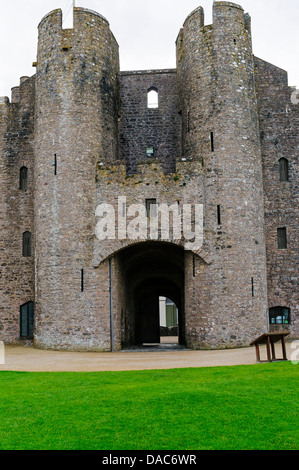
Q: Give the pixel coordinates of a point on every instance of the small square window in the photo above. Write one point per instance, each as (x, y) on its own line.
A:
(279, 315)
(150, 151)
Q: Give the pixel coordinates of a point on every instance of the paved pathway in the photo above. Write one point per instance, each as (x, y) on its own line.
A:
(22, 358)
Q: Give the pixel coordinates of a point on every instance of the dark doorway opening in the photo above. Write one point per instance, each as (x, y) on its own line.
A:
(151, 271)
(148, 312)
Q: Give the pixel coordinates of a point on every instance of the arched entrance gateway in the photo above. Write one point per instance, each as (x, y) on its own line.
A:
(145, 273)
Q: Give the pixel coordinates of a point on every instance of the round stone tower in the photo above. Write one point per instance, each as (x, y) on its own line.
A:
(77, 99)
(226, 298)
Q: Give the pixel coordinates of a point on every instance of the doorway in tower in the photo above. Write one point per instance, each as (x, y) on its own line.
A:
(152, 279)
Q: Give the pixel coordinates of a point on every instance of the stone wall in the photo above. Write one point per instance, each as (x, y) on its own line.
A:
(279, 119)
(142, 127)
(16, 206)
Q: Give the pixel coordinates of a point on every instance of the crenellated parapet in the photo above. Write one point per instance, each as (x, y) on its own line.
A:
(85, 58)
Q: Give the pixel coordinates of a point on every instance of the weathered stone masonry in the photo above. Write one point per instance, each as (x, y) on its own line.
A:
(223, 135)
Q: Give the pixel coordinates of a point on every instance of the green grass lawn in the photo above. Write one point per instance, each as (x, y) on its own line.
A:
(243, 407)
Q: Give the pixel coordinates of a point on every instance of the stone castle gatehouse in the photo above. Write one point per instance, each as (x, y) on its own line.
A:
(84, 146)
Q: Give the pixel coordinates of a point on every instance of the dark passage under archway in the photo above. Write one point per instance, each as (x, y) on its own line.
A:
(150, 270)
(147, 308)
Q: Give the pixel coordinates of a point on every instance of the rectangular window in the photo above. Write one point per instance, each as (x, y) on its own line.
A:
(282, 238)
(23, 179)
(27, 320)
(284, 169)
(26, 244)
(150, 151)
(279, 315)
(252, 287)
(151, 207)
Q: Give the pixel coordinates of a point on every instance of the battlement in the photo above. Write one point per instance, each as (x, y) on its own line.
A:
(227, 13)
(221, 11)
(227, 5)
(16, 92)
(4, 100)
(79, 11)
(55, 18)
(149, 173)
(197, 14)
(146, 72)
(90, 32)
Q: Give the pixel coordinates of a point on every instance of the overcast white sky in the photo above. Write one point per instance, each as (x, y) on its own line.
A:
(146, 32)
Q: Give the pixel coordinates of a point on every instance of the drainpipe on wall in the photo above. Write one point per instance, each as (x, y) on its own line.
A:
(111, 305)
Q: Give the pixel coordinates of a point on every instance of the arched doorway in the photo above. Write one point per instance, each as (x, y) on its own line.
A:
(148, 271)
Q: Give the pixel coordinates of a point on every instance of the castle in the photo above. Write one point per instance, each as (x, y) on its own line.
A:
(83, 146)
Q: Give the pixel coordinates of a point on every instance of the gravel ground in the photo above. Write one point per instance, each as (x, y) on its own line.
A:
(22, 358)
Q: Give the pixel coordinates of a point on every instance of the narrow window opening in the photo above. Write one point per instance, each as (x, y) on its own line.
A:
(153, 98)
(219, 215)
(188, 121)
(26, 244)
(194, 267)
(212, 141)
(284, 170)
(27, 320)
(23, 178)
(252, 287)
(55, 164)
(151, 207)
(282, 238)
(82, 280)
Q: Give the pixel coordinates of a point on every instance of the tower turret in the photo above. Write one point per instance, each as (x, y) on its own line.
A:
(77, 98)
(221, 131)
